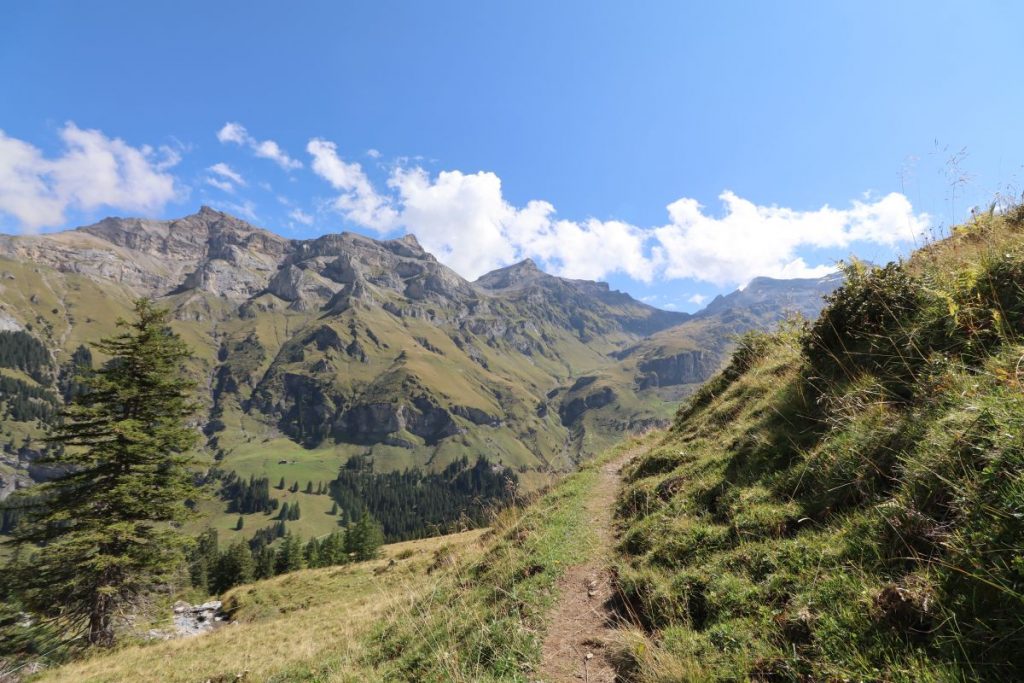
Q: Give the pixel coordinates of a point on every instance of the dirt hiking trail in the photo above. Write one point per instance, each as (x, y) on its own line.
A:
(575, 647)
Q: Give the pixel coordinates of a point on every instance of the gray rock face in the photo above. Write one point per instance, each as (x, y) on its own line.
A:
(690, 367)
(570, 411)
(193, 620)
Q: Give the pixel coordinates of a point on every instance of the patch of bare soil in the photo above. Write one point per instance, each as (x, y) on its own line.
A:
(581, 624)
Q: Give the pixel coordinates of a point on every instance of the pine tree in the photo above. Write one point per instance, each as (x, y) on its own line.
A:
(334, 509)
(332, 549)
(294, 512)
(294, 487)
(235, 567)
(312, 554)
(203, 560)
(284, 514)
(364, 538)
(108, 530)
(280, 484)
(240, 523)
(264, 563)
(309, 487)
(289, 555)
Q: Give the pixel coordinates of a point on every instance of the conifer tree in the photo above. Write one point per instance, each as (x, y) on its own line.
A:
(332, 549)
(235, 567)
(289, 554)
(240, 523)
(312, 554)
(284, 514)
(203, 560)
(309, 487)
(108, 530)
(295, 487)
(364, 538)
(264, 568)
(280, 484)
(334, 509)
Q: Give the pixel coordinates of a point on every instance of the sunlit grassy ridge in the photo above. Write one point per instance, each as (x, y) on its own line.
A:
(846, 502)
(307, 625)
(463, 607)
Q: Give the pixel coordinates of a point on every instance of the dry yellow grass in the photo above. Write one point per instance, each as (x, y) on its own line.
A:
(303, 625)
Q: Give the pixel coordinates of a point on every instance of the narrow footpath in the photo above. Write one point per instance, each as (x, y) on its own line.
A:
(575, 647)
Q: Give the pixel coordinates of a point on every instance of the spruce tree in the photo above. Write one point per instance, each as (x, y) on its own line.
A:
(240, 523)
(235, 567)
(332, 549)
(289, 554)
(203, 560)
(108, 529)
(309, 487)
(312, 554)
(280, 484)
(264, 563)
(364, 538)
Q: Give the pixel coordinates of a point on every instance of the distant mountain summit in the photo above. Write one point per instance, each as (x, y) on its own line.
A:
(772, 296)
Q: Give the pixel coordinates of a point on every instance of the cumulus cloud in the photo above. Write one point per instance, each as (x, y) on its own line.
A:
(697, 299)
(358, 201)
(93, 171)
(465, 220)
(751, 240)
(236, 133)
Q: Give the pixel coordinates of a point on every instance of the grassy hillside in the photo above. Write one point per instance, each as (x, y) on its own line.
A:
(846, 501)
(308, 625)
(462, 607)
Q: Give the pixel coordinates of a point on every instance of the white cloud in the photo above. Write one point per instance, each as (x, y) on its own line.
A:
(228, 173)
(697, 299)
(751, 240)
(220, 184)
(266, 149)
(300, 216)
(234, 132)
(373, 153)
(93, 171)
(465, 220)
(358, 201)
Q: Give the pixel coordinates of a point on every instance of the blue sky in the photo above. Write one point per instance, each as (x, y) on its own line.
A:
(673, 149)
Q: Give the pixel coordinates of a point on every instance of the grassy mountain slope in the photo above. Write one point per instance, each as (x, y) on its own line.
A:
(845, 503)
(463, 607)
(308, 625)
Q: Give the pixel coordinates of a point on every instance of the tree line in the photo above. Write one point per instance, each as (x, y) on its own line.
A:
(215, 570)
(415, 504)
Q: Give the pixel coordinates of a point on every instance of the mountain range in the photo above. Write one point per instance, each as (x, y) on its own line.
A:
(309, 352)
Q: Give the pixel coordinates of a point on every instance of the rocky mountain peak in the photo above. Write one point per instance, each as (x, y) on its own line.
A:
(511, 277)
